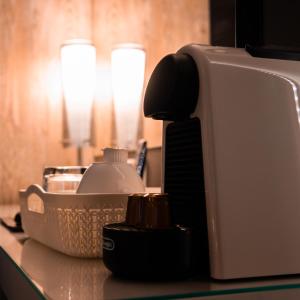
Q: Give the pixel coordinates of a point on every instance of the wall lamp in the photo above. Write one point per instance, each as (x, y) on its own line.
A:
(128, 69)
(78, 62)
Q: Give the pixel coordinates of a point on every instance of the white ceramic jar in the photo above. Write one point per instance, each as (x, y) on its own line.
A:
(113, 175)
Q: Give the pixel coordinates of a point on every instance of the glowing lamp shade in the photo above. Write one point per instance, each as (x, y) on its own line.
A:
(128, 68)
(78, 60)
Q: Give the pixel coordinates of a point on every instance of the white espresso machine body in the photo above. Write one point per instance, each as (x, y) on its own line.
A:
(248, 112)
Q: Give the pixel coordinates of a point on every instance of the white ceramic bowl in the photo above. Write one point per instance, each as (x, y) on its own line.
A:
(113, 175)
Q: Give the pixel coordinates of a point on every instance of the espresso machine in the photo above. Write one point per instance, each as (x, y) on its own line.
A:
(231, 156)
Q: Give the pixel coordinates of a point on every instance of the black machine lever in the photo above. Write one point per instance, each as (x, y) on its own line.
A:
(173, 89)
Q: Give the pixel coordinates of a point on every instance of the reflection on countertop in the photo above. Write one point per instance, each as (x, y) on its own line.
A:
(61, 277)
(64, 277)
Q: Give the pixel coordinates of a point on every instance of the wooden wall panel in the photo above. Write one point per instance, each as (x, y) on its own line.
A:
(31, 33)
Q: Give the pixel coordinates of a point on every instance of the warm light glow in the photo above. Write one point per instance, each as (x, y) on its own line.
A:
(128, 68)
(78, 59)
(103, 92)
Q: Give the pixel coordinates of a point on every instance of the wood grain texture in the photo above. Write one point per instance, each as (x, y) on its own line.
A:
(31, 33)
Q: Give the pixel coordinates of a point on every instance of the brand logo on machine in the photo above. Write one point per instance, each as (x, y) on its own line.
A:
(108, 244)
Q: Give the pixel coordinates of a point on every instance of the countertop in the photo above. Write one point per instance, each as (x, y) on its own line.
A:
(49, 274)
